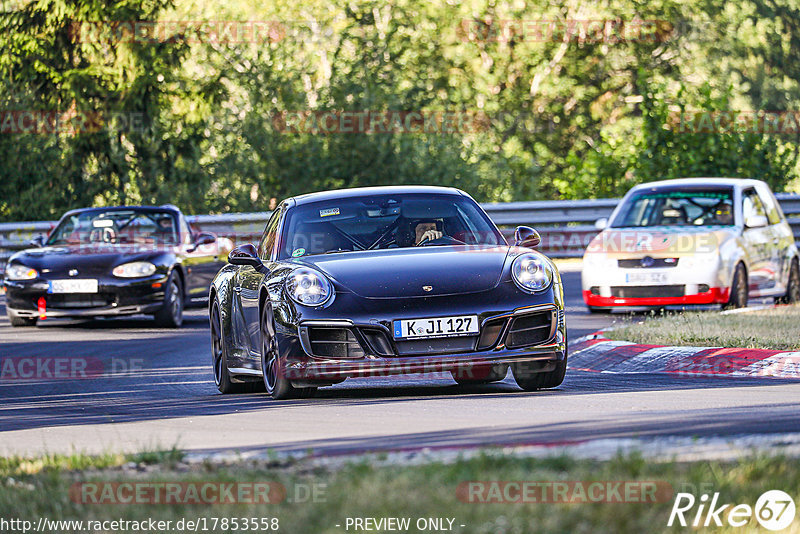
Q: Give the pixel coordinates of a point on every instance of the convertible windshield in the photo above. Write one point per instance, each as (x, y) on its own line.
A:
(116, 227)
(385, 221)
(710, 207)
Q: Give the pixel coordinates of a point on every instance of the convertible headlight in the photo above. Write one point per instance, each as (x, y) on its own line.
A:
(134, 269)
(15, 271)
(532, 272)
(308, 287)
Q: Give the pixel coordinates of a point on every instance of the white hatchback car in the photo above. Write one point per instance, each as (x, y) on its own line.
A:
(692, 241)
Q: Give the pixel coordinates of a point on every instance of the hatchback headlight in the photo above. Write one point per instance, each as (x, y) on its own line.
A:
(308, 287)
(136, 269)
(532, 272)
(15, 271)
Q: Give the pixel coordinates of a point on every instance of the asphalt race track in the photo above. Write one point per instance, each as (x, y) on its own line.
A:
(161, 394)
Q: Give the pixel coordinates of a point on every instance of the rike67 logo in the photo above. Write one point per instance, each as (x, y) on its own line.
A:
(774, 510)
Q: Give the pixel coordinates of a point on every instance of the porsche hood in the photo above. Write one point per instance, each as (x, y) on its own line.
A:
(414, 272)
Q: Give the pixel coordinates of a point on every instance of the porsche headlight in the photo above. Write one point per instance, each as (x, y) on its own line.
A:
(136, 269)
(532, 272)
(308, 287)
(15, 271)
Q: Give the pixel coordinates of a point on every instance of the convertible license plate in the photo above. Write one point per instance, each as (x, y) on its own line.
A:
(73, 286)
(646, 278)
(462, 325)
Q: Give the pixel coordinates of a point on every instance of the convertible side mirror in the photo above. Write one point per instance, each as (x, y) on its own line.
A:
(245, 255)
(756, 221)
(203, 238)
(37, 241)
(525, 236)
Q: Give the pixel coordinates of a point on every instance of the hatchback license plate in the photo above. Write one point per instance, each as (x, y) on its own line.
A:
(461, 325)
(73, 286)
(646, 278)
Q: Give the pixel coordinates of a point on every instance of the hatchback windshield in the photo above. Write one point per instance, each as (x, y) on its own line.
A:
(116, 227)
(385, 221)
(711, 207)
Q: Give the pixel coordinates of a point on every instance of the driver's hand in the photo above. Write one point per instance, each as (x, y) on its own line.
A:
(430, 235)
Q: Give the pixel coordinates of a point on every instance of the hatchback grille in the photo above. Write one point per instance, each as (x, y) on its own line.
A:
(647, 263)
(531, 329)
(648, 291)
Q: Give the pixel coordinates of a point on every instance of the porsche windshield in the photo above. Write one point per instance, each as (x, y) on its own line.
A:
(383, 222)
(116, 227)
(708, 207)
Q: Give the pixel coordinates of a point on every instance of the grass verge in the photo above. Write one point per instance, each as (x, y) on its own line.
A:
(774, 328)
(421, 491)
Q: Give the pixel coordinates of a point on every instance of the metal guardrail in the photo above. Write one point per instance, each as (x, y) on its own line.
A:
(566, 226)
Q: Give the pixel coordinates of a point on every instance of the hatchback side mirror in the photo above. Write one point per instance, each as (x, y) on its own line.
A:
(601, 224)
(756, 221)
(37, 241)
(525, 236)
(245, 255)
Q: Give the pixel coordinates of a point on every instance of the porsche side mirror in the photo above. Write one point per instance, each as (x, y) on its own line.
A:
(525, 236)
(601, 224)
(756, 221)
(37, 241)
(245, 255)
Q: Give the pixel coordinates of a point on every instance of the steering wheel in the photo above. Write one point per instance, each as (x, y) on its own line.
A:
(444, 240)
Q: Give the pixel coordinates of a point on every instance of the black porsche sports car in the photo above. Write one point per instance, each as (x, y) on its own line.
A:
(101, 262)
(383, 281)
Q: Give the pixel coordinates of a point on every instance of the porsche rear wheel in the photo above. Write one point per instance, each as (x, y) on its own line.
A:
(739, 289)
(529, 378)
(219, 360)
(171, 313)
(792, 287)
(272, 370)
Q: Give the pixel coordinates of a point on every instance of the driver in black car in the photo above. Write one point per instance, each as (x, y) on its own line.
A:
(426, 231)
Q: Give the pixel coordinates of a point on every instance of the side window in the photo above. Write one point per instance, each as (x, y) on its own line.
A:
(770, 205)
(751, 205)
(267, 242)
(186, 232)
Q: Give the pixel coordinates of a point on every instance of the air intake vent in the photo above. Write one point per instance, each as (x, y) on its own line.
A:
(531, 329)
(334, 343)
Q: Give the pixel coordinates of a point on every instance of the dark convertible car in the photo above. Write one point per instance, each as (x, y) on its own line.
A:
(384, 281)
(102, 262)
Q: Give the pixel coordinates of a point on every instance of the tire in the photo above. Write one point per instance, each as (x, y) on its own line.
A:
(792, 286)
(739, 289)
(531, 381)
(171, 313)
(495, 374)
(219, 359)
(275, 382)
(16, 320)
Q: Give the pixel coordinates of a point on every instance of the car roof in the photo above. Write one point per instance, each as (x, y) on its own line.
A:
(166, 207)
(357, 192)
(700, 182)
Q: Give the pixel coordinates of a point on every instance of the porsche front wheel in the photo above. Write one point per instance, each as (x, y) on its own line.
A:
(272, 369)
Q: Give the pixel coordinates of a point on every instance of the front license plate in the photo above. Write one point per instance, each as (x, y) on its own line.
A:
(646, 278)
(462, 325)
(73, 286)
